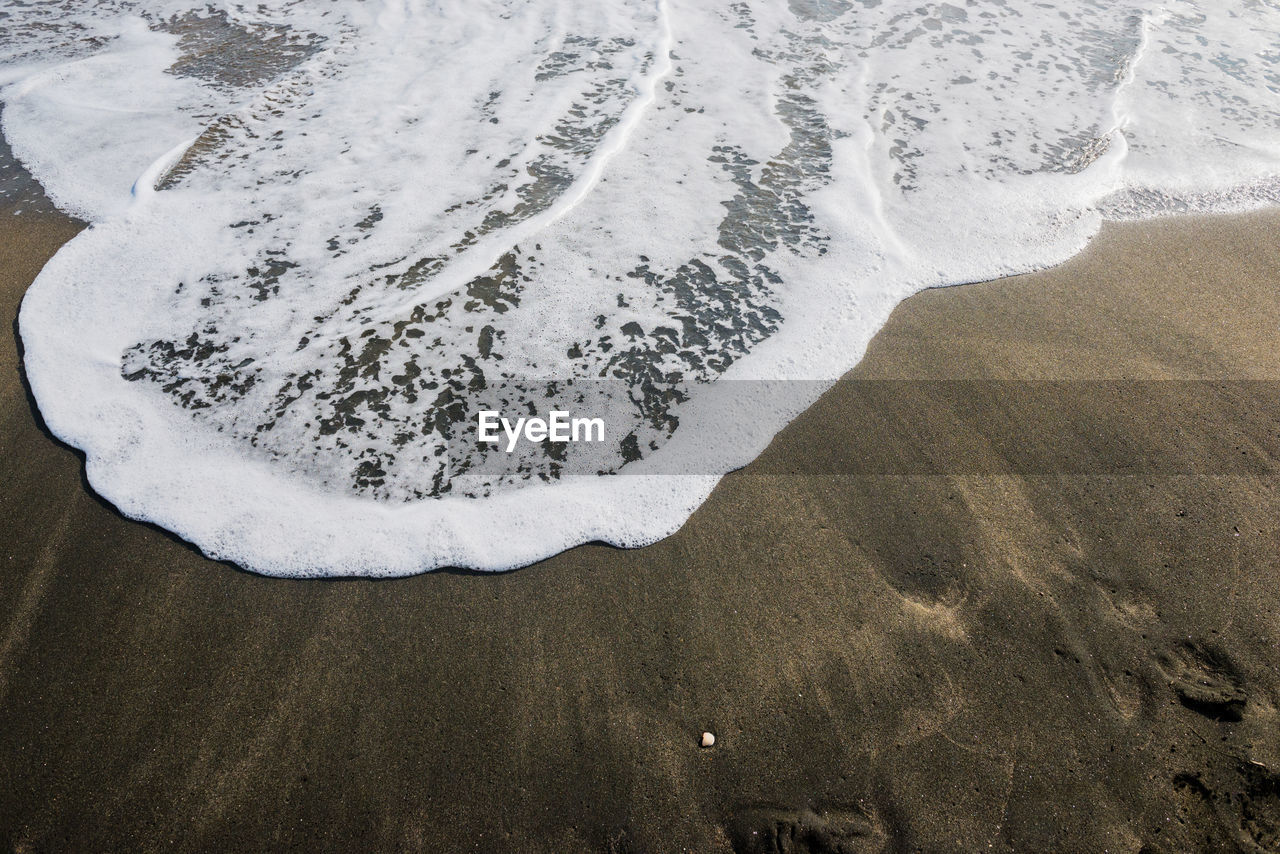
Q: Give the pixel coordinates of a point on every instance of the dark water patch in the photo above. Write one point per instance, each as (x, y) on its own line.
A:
(232, 54)
(819, 10)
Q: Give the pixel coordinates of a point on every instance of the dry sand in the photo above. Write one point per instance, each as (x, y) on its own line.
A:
(995, 614)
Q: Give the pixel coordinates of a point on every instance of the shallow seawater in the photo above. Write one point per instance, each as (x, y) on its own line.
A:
(19, 190)
(328, 236)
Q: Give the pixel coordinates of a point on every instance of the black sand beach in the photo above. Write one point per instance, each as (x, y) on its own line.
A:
(990, 615)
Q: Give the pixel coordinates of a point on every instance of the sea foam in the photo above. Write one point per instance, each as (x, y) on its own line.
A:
(326, 235)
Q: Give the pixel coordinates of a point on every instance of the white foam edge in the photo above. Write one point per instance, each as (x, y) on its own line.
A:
(153, 464)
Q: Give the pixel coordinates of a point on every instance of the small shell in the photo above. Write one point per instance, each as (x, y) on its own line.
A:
(708, 739)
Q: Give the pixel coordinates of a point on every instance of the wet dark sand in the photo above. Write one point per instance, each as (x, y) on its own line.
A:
(1069, 640)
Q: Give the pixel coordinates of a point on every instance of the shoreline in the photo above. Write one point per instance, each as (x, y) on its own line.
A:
(1054, 660)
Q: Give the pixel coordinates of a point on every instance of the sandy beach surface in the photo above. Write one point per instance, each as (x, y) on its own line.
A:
(1012, 585)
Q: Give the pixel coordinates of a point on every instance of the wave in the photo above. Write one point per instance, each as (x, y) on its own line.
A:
(325, 237)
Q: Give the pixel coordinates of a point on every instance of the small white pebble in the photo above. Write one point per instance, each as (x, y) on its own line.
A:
(708, 739)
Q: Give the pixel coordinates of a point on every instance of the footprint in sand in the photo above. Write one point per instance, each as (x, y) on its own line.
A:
(1260, 807)
(1205, 681)
(770, 830)
(1195, 818)
(1241, 813)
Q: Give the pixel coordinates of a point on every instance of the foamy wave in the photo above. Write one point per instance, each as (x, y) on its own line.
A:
(326, 236)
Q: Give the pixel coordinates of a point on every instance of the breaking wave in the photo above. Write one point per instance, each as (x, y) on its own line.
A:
(326, 235)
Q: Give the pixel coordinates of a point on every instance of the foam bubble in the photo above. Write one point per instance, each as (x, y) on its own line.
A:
(326, 235)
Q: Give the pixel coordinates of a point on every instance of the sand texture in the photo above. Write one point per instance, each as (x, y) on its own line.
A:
(1013, 585)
